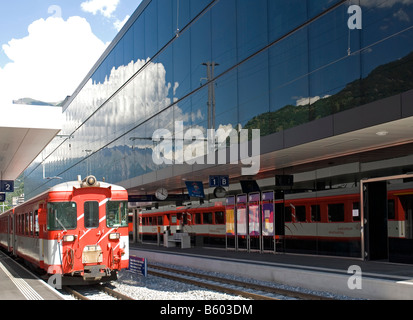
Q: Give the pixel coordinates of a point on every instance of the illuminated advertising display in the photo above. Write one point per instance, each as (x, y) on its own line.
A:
(242, 215)
(254, 214)
(229, 212)
(267, 213)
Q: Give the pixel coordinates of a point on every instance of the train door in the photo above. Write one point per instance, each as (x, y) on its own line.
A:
(375, 220)
(386, 235)
(401, 246)
(407, 204)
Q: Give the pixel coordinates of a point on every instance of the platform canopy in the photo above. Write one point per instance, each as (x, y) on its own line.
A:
(25, 130)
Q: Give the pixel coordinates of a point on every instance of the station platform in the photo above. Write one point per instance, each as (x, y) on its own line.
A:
(350, 277)
(16, 283)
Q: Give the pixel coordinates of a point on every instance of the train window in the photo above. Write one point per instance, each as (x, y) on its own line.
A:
(315, 213)
(207, 217)
(160, 221)
(61, 216)
(336, 212)
(36, 223)
(356, 211)
(184, 218)
(198, 219)
(91, 210)
(117, 214)
(287, 214)
(31, 223)
(26, 226)
(391, 209)
(300, 214)
(219, 217)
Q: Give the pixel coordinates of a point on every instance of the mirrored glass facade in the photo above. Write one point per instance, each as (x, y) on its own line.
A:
(275, 65)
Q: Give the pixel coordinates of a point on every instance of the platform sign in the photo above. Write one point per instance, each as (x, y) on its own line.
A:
(2, 197)
(254, 213)
(218, 181)
(242, 215)
(138, 265)
(229, 215)
(6, 186)
(267, 213)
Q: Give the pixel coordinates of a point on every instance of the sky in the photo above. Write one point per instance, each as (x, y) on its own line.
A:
(47, 47)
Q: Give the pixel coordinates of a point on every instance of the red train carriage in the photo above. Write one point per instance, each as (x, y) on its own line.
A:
(205, 222)
(78, 229)
(324, 221)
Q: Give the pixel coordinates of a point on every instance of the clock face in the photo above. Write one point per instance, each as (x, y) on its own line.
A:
(220, 192)
(161, 194)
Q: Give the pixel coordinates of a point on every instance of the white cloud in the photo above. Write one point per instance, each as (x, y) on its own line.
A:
(51, 61)
(309, 100)
(105, 7)
(119, 24)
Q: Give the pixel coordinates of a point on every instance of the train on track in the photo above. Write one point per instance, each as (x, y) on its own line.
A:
(77, 229)
(325, 221)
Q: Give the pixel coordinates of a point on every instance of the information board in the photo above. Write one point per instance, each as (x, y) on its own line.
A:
(138, 265)
(242, 214)
(267, 213)
(254, 213)
(229, 214)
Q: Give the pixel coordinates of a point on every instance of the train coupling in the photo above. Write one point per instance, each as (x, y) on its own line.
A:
(96, 272)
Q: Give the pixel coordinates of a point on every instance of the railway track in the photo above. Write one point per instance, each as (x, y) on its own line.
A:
(82, 293)
(248, 290)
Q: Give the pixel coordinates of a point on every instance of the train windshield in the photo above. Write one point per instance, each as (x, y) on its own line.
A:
(117, 214)
(61, 216)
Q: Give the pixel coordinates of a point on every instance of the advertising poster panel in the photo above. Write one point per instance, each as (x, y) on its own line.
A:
(268, 213)
(254, 213)
(229, 213)
(242, 215)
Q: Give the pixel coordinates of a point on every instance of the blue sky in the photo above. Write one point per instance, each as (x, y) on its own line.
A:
(32, 30)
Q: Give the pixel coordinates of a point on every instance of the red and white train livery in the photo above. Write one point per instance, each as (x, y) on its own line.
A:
(78, 229)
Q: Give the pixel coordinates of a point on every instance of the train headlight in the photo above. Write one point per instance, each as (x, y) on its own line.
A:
(69, 238)
(114, 236)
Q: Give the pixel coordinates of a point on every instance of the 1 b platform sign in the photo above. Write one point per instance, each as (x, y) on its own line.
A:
(218, 181)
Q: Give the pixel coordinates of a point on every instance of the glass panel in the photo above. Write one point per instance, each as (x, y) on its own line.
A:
(61, 216)
(151, 29)
(91, 210)
(253, 87)
(139, 39)
(289, 96)
(386, 24)
(223, 31)
(285, 16)
(165, 22)
(200, 50)
(181, 13)
(334, 70)
(181, 63)
(128, 43)
(117, 214)
(316, 7)
(252, 30)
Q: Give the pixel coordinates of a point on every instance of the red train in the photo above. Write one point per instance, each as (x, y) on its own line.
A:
(324, 221)
(78, 229)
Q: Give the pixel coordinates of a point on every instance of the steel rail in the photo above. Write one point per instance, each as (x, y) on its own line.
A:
(213, 287)
(278, 291)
